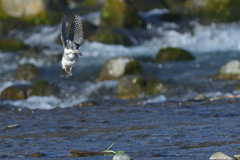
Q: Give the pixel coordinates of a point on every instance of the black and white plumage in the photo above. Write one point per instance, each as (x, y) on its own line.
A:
(71, 43)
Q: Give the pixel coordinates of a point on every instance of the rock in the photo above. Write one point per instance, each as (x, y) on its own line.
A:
(207, 10)
(237, 156)
(144, 5)
(154, 87)
(130, 87)
(111, 36)
(12, 45)
(200, 97)
(122, 156)
(231, 70)
(15, 92)
(15, 8)
(117, 67)
(26, 72)
(37, 154)
(120, 14)
(220, 156)
(221, 10)
(173, 54)
(14, 126)
(41, 88)
(30, 53)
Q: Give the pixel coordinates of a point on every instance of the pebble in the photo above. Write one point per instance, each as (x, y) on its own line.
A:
(122, 156)
(221, 156)
(37, 154)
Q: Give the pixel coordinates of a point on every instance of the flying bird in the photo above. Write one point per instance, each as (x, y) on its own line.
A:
(71, 43)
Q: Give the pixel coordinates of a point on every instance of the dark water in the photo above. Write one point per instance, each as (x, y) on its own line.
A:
(171, 130)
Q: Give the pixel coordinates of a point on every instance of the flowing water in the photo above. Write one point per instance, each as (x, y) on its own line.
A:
(167, 126)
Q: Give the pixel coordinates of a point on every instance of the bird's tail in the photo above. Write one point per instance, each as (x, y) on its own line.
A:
(63, 73)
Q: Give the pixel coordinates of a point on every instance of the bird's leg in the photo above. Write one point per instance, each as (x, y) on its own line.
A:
(70, 71)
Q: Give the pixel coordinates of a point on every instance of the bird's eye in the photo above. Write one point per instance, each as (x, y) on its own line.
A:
(71, 47)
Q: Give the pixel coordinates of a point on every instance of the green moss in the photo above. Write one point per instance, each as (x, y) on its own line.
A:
(222, 10)
(133, 67)
(41, 88)
(154, 86)
(11, 45)
(119, 13)
(173, 54)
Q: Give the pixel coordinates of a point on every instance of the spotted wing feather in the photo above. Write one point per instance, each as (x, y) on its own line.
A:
(76, 31)
(63, 31)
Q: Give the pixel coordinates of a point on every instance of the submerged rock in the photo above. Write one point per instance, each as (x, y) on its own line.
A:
(130, 87)
(134, 86)
(26, 72)
(12, 45)
(41, 88)
(111, 36)
(120, 13)
(231, 70)
(173, 54)
(37, 154)
(221, 156)
(17, 92)
(122, 156)
(117, 67)
(154, 87)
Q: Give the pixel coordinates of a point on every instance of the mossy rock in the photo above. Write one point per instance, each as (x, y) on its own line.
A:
(111, 36)
(114, 69)
(26, 72)
(144, 5)
(30, 53)
(154, 87)
(130, 87)
(173, 54)
(222, 10)
(41, 88)
(15, 92)
(231, 71)
(12, 45)
(120, 13)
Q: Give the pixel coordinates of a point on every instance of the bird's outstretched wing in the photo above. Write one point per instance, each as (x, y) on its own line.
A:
(63, 31)
(76, 31)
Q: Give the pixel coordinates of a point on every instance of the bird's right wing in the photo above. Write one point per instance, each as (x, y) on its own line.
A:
(63, 31)
(76, 31)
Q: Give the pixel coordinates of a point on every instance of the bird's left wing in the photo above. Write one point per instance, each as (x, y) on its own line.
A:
(76, 31)
(63, 31)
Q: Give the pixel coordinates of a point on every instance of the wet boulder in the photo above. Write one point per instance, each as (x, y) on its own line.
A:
(173, 54)
(120, 14)
(207, 10)
(130, 87)
(221, 10)
(134, 86)
(111, 36)
(17, 92)
(11, 45)
(26, 72)
(115, 68)
(231, 70)
(30, 54)
(19, 9)
(144, 5)
(220, 155)
(41, 88)
(154, 86)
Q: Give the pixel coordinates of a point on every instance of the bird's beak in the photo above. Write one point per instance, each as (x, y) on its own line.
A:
(79, 53)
